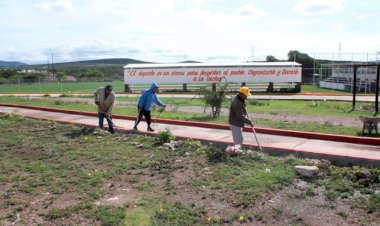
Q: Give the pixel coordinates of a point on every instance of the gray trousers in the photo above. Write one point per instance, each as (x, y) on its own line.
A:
(237, 134)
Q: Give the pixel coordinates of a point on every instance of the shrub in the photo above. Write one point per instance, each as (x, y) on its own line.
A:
(214, 99)
(164, 136)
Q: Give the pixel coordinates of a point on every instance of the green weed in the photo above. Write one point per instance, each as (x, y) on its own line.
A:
(164, 136)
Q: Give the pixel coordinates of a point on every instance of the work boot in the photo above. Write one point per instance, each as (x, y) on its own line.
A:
(150, 129)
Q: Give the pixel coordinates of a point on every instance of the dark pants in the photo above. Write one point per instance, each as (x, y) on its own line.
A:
(146, 115)
(101, 119)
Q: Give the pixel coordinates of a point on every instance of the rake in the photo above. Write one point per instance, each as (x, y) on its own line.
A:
(257, 140)
(254, 132)
(158, 116)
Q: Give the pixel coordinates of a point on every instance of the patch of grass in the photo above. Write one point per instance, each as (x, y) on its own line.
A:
(216, 154)
(65, 86)
(177, 214)
(170, 188)
(110, 216)
(317, 107)
(57, 213)
(145, 186)
(245, 179)
(60, 102)
(374, 202)
(138, 217)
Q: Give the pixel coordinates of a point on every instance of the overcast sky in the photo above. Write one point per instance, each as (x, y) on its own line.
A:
(174, 30)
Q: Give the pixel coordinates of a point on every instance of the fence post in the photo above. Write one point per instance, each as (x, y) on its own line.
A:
(298, 86)
(270, 87)
(184, 87)
(39, 83)
(213, 86)
(18, 83)
(127, 88)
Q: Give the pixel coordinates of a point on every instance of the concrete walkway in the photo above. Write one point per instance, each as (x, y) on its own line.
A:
(339, 153)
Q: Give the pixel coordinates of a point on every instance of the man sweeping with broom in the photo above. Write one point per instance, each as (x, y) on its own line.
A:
(238, 115)
(105, 99)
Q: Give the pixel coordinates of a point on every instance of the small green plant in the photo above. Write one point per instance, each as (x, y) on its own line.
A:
(216, 154)
(56, 213)
(14, 117)
(332, 195)
(164, 136)
(310, 192)
(374, 202)
(342, 213)
(258, 102)
(46, 95)
(65, 95)
(193, 146)
(59, 102)
(145, 186)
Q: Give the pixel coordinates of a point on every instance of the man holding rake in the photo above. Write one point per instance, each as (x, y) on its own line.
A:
(145, 102)
(105, 99)
(238, 115)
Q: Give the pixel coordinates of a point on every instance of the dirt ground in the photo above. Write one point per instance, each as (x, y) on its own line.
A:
(289, 206)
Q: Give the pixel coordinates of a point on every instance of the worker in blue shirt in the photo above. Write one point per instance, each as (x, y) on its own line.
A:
(145, 102)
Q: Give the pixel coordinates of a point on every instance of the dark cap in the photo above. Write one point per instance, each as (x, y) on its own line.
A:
(109, 87)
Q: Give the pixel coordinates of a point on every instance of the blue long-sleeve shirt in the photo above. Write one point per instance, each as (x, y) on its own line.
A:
(148, 97)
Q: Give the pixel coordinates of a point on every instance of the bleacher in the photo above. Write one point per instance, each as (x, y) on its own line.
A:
(346, 84)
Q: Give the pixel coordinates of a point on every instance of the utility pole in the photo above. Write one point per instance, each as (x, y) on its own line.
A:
(52, 65)
(48, 65)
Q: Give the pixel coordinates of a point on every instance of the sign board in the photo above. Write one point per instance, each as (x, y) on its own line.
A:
(205, 73)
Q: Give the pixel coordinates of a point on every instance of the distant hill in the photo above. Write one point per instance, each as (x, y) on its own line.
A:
(122, 61)
(11, 64)
(112, 68)
(189, 61)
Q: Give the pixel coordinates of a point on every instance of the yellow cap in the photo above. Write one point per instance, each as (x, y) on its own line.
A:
(245, 90)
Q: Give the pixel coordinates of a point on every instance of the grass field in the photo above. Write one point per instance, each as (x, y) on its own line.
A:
(69, 86)
(61, 174)
(64, 87)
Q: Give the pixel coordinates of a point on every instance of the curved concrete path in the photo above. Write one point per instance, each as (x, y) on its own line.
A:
(353, 151)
